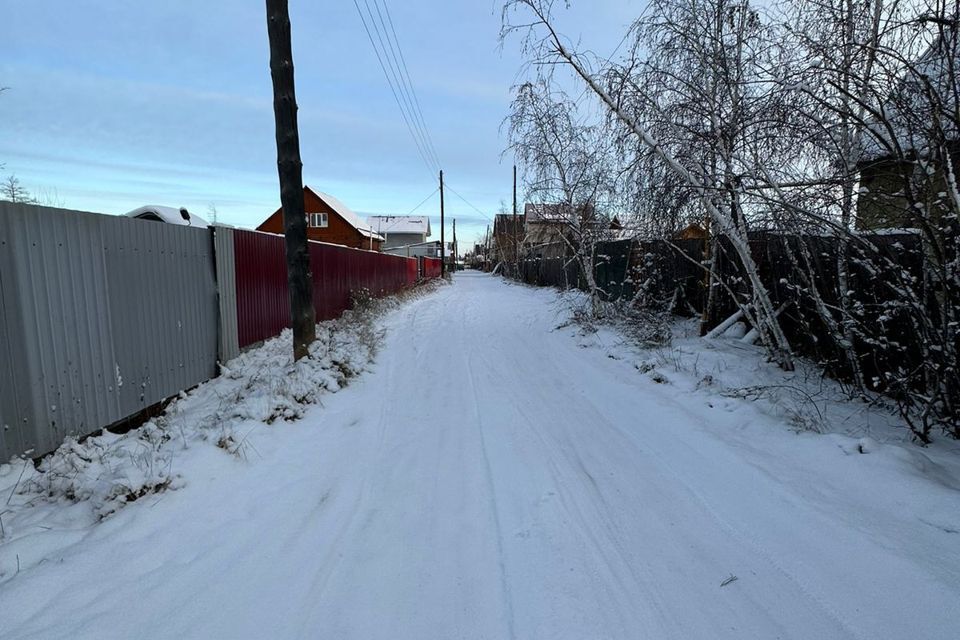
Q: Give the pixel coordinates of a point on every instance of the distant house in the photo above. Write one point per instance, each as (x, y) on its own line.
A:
(693, 231)
(329, 220)
(619, 231)
(169, 215)
(432, 249)
(913, 144)
(548, 227)
(881, 203)
(403, 235)
(508, 236)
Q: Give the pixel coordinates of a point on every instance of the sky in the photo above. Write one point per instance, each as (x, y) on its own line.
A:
(113, 105)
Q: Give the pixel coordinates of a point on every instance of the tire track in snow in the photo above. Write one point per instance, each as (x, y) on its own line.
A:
(421, 462)
(346, 529)
(565, 479)
(609, 534)
(504, 582)
(567, 476)
(750, 542)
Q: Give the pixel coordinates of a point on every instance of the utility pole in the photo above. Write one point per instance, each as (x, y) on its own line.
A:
(454, 244)
(486, 249)
(516, 239)
(514, 190)
(290, 172)
(443, 246)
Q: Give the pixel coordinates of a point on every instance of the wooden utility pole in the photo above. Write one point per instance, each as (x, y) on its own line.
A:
(514, 190)
(443, 246)
(486, 249)
(290, 171)
(454, 244)
(516, 239)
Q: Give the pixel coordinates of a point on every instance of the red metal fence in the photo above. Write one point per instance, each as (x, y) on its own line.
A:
(263, 304)
(413, 270)
(431, 268)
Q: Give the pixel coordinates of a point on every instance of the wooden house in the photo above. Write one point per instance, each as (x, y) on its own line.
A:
(329, 220)
(693, 231)
(910, 162)
(508, 235)
(551, 228)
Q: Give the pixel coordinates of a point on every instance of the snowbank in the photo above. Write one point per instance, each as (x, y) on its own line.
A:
(48, 504)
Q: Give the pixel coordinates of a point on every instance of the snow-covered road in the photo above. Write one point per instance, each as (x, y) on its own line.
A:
(492, 478)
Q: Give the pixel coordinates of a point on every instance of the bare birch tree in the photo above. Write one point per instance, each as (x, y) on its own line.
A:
(548, 45)
(567, 166)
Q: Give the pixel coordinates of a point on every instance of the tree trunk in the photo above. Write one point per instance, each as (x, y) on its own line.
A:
(847, 142)
(289, 169)
(709, 261)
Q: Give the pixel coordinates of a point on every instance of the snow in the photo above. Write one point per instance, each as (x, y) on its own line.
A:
(82, 483)
(736, 330)
(912, 104)
(170, 215)
(400, 224)
(548, 482)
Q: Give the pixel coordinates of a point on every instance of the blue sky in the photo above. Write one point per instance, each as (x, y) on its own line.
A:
(120, 104)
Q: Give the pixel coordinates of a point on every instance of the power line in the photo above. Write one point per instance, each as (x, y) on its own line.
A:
(423, 155)
(447, 185)
(391, 58)
(404, 84)
(413, 91)
(424, 201)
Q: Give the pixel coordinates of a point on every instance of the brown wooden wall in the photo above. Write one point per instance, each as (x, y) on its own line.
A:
(338, 230)
(882, 203)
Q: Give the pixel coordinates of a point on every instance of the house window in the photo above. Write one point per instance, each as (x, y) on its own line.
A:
(317, 219)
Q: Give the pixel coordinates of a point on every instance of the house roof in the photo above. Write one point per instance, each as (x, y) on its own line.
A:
(537, 212)
(170, 215)
(346, 213)
(400, 224)
(910, 112)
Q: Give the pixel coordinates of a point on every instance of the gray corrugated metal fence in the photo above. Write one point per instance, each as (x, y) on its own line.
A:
(227, 288)
(100, 317)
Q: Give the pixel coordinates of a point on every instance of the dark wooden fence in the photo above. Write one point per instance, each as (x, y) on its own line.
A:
(796, 270)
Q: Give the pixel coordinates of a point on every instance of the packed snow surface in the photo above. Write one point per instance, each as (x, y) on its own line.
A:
(499, 473)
